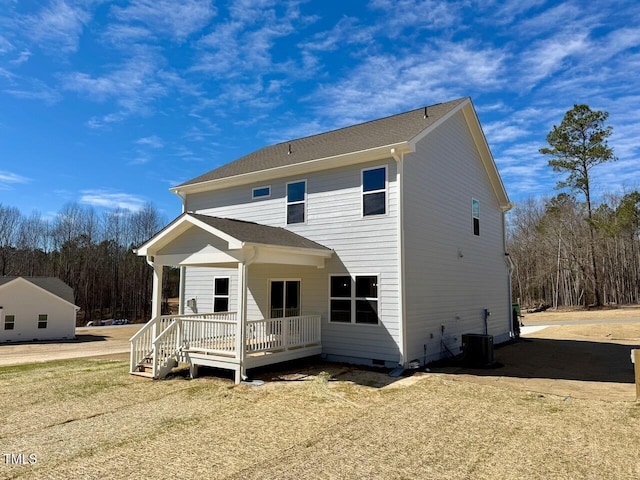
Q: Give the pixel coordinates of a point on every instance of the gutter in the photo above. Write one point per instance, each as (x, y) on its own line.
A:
(309, 166)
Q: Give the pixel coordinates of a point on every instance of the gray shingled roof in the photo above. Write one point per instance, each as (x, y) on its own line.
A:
(398, 128)
(255, 233)
(50, 284)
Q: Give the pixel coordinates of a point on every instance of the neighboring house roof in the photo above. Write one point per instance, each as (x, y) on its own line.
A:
(236, 232)
(385, 131)
(52, 285)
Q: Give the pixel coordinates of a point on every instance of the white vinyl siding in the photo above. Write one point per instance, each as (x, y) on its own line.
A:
(333, 219)
(451, 275)
(25, 303)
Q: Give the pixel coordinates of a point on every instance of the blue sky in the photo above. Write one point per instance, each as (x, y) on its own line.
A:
(110, 103)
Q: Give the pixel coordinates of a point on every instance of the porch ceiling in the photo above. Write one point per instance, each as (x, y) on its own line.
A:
(203, 240)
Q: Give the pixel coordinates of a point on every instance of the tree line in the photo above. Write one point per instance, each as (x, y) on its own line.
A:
(91, 252)
(550, 244)
(570, 249)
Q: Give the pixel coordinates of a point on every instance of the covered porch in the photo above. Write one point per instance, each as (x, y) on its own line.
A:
(234, 340)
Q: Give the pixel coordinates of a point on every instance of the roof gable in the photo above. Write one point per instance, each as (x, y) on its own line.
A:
(51, 285)
(236, 232)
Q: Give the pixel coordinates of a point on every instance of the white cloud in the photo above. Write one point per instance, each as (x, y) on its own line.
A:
(427, 14)
(32, 89)
(134, 86)
(23, 57)
(5, 46)
(106, 199)
(388, 83)
(8, 179)
(153, 142)
(57, 26)
(177, 19)
(547, 57)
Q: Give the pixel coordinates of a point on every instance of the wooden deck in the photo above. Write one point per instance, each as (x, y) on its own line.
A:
(212, 340)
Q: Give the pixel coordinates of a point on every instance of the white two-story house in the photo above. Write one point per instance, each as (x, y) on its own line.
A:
(379, 243)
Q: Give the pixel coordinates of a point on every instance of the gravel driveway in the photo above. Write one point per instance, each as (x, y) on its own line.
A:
(89, 342)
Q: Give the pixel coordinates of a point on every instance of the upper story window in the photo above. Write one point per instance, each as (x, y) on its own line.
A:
(261, 192)
(296, 200)
(374, 191)
(475, 214)
(221, 294)
(42, 320)
(9, 322)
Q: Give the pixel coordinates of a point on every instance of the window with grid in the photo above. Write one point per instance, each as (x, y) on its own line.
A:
(221, 294)
(374, 191)
(354, 300)
(296, 201)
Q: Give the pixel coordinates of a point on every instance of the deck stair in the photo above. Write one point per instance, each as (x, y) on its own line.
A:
(211, 340)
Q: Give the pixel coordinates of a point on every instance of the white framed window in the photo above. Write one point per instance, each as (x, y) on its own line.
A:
(42, 320)
(475, 215)
(354, 299)
(374, 191)
(261, 192)
(296, 202)
(285, 297)
(9, 322)
(221, 286)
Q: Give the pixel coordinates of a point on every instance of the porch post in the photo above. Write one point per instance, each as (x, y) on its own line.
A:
(241, 326)
(156, 297)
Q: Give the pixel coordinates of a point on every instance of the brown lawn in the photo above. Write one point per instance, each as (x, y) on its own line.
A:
(87, 418)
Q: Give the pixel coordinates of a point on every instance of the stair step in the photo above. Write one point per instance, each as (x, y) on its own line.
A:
(143, 374)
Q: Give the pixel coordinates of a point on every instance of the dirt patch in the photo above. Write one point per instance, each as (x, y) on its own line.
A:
(579, 361)
(579, 314)
(89, 342)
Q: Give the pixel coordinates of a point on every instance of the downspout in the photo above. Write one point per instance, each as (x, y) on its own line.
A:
(183, 198)
(403, 361)
(510, 267)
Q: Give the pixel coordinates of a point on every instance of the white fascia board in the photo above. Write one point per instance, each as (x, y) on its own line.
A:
(290, 256)
(315, 252)
(310, 166)
(166, 236)
(488, 161)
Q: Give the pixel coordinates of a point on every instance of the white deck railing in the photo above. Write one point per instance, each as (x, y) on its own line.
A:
(165, 337)
(282, 333)
(160, 337)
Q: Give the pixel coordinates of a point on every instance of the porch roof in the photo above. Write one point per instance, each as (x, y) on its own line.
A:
(197, 239)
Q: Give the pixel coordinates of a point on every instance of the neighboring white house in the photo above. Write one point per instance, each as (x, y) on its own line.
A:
(386, 239)
(36, 308)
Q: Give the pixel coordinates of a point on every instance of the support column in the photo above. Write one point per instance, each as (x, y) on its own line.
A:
(241, 326)
(156, 299)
